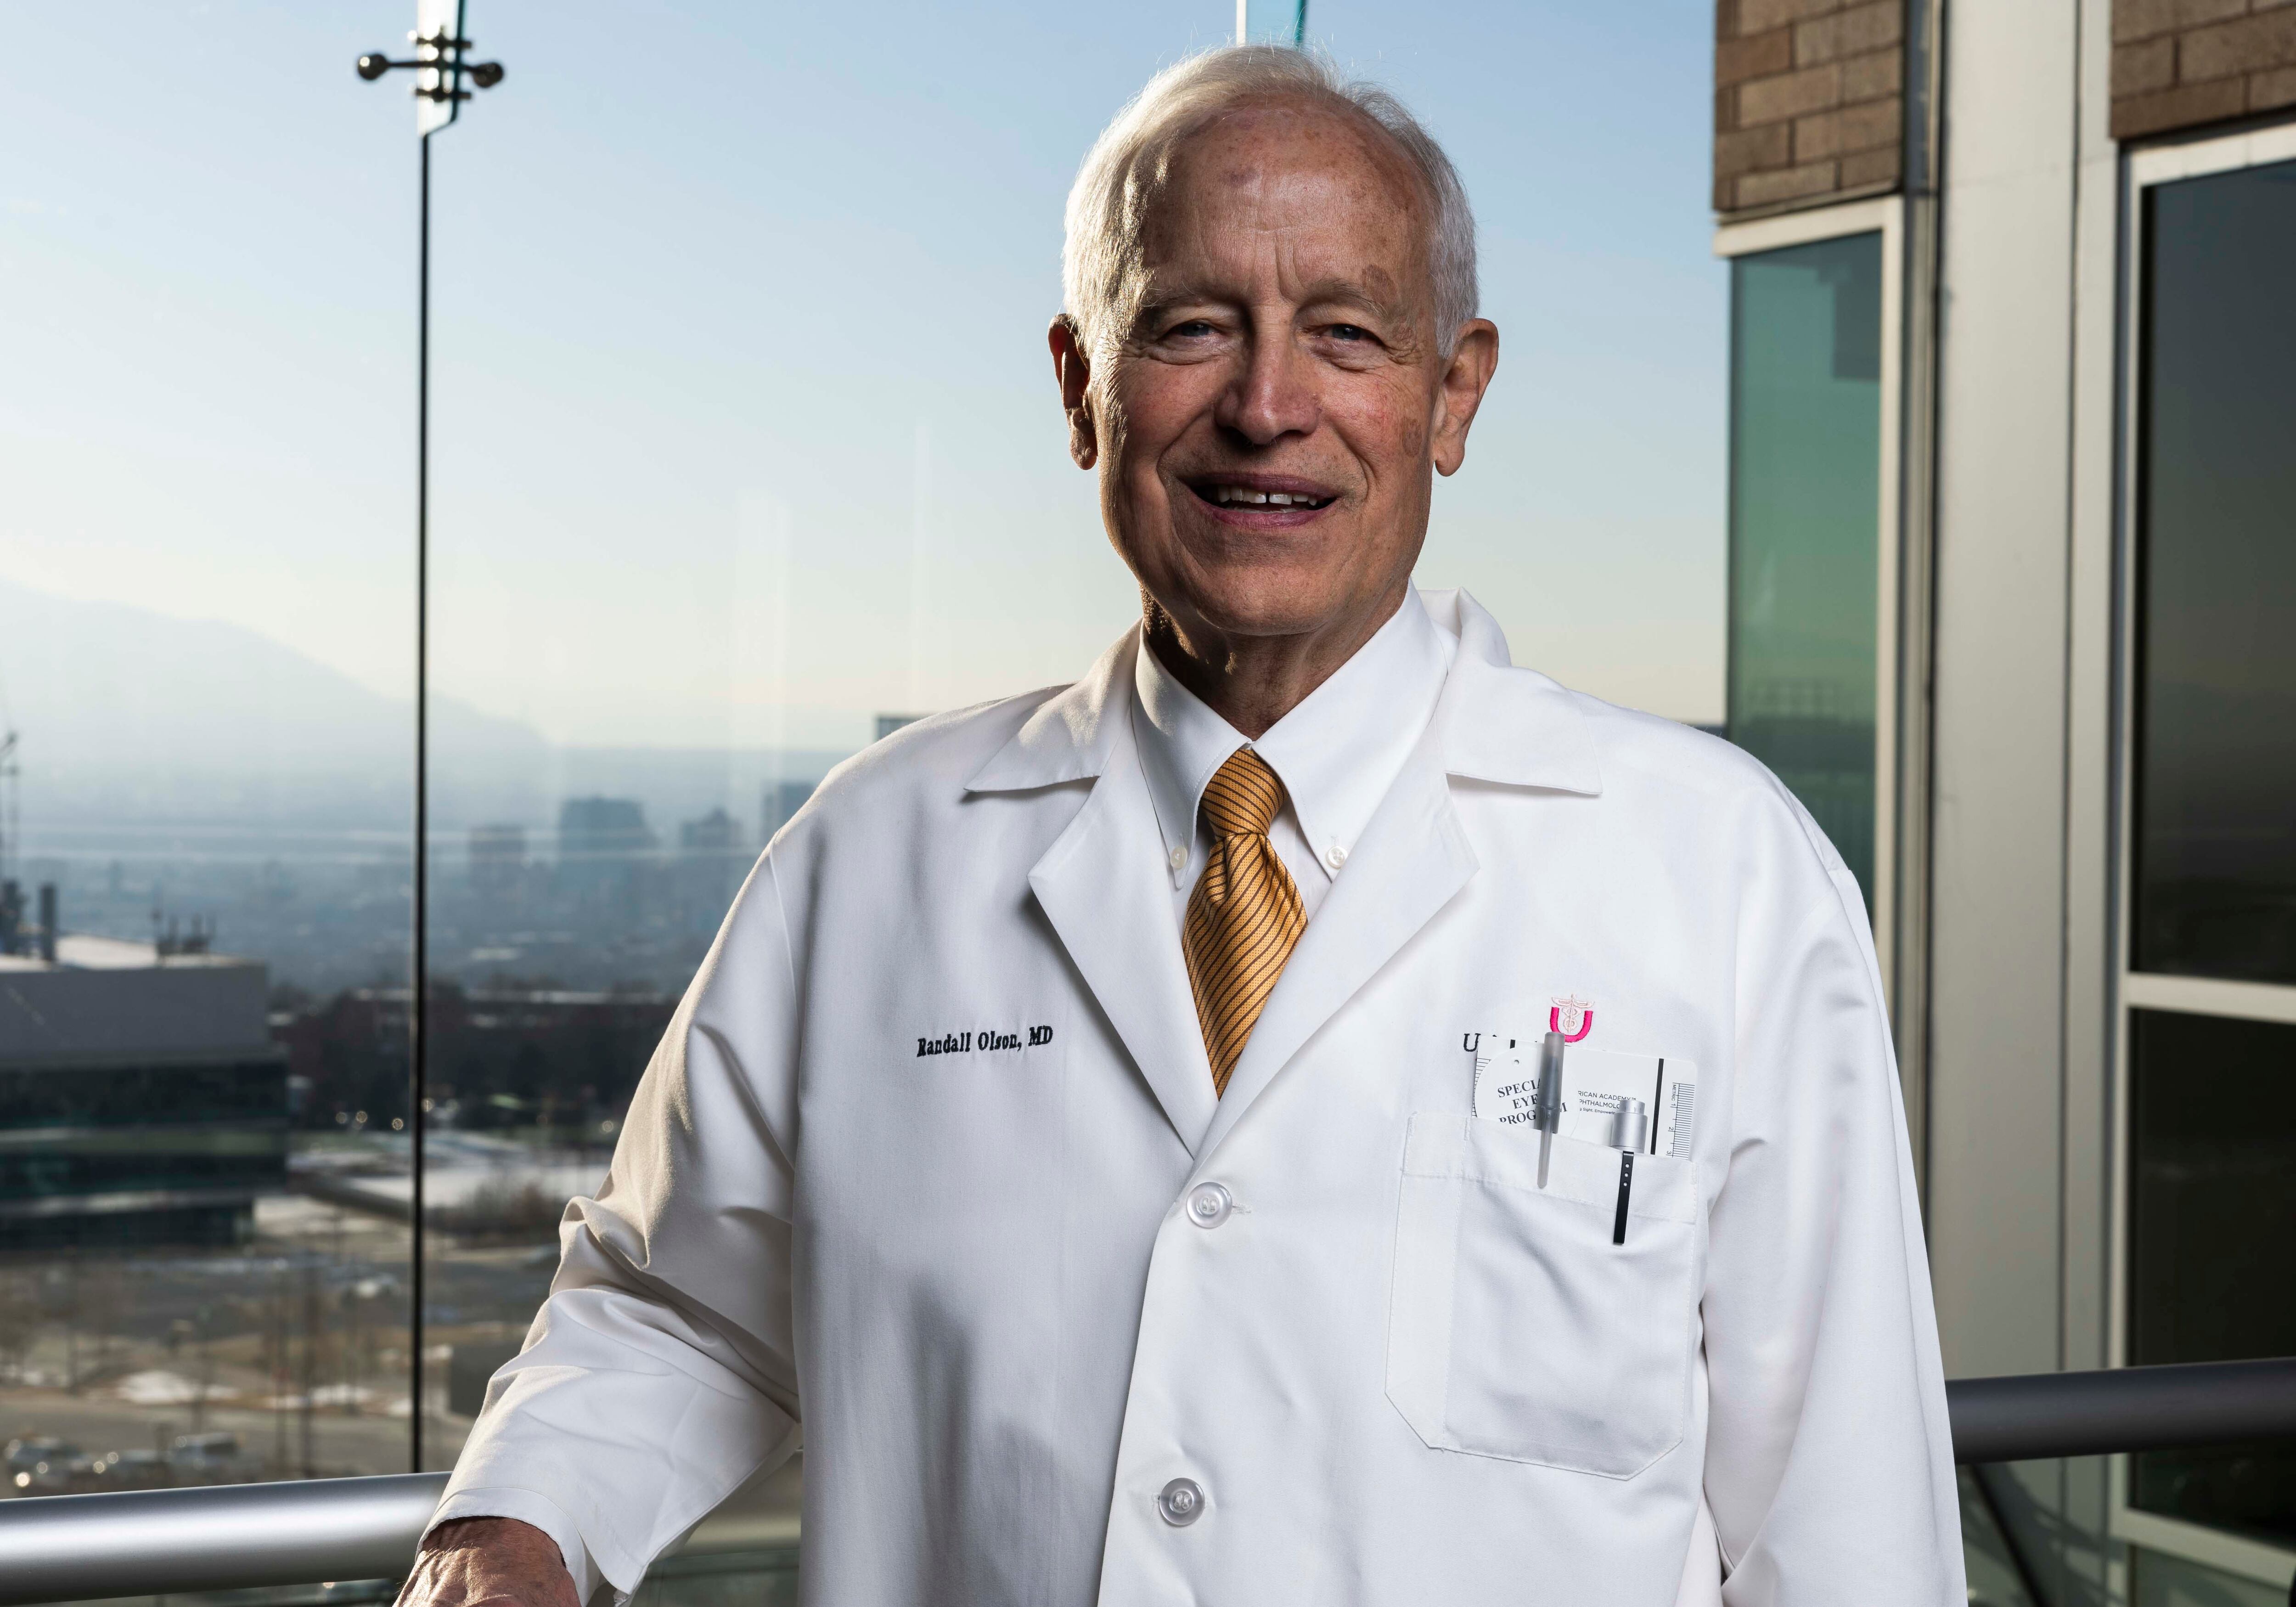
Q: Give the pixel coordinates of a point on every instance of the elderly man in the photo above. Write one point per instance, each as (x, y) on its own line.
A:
(1308, 1113)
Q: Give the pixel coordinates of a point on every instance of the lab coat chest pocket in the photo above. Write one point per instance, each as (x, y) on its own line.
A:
(1518, 1329)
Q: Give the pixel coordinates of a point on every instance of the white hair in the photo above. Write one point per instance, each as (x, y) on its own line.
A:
(1101, 273)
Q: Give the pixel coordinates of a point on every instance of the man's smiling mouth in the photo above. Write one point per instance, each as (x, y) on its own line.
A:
(1228, 496)
(1242, 493)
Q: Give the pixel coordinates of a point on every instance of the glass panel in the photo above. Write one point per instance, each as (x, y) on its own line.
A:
(2158, 1579)
(1996, 1576)
(691, 555)
(205, 595)
(745, 452)
(2215, 687)
(1805, 530)
(752, 1578)
(2212, 1242)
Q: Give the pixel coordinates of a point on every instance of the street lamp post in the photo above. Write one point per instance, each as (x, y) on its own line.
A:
(1299, 9)
(442, 66)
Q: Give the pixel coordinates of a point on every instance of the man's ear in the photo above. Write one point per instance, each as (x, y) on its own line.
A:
(1073, 370)
(1466, 378)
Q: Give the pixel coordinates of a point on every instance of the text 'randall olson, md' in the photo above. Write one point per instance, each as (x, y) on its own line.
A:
(984, 1040)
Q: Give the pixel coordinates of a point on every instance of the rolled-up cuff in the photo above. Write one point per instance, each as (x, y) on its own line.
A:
(529, 1506)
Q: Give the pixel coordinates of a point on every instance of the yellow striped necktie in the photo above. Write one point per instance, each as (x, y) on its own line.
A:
(1245, 914)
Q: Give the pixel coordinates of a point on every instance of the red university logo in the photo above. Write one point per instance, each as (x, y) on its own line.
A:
(1573, 1018)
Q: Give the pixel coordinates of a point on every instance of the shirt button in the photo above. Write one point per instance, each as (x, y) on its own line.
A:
(1177, 857)
(1335, 855)
(1182, 1501)
(1208, 1204)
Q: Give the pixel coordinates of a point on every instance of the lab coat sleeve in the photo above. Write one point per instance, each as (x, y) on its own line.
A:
(1829, 1458)
(660, 1375)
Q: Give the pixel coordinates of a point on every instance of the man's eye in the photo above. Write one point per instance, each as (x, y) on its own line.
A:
(1194, 329)
(1350, 332)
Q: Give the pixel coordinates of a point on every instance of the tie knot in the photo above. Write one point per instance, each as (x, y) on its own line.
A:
(1241, 800)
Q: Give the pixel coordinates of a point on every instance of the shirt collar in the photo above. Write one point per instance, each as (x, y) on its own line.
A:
(1337, 752)
(1513, 727)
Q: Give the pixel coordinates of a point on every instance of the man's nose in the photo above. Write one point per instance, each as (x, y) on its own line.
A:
(1274, 396)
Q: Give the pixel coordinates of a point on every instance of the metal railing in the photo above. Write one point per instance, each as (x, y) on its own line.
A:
(57, 1548)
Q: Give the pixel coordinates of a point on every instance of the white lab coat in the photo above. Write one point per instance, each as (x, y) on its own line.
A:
(1397, 1371)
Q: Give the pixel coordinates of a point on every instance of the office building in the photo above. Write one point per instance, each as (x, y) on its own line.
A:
(602, 844)
(142, 1100)
(713, 855)
(782, 799)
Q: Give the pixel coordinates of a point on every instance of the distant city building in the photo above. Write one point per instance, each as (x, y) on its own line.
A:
(888, 724)
(141, 1099)
(602, 843)
(714, 833)
(12, 931)
(497, 860)
(712, 859)
(785, 798)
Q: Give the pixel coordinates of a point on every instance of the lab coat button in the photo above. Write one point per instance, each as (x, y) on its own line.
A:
(1182, 1501)
(1209, 1205)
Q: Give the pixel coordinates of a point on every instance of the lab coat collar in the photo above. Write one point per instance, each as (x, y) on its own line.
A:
(1493, 722)
(1069, 736)
(1497, 723)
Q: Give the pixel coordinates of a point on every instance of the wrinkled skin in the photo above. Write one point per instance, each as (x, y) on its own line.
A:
(1285, 343)
(488, 1563)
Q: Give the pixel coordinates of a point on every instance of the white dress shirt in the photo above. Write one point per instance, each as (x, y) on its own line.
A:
(1337, 752)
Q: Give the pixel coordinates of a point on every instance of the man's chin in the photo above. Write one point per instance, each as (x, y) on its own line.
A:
(1269, 601)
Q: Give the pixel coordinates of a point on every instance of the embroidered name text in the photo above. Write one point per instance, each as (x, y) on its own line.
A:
(984, 1040)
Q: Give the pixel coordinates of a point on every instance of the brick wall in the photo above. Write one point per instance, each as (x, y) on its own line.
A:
(2180, 62)
(1808, 101)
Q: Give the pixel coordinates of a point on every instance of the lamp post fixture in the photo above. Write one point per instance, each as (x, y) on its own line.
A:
(440, 66)
(1299, 9)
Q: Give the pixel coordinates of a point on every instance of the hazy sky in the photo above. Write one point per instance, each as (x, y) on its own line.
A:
(743, 425)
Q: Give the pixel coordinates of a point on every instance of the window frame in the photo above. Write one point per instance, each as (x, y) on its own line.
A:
(2128, 989)
(1883, 215)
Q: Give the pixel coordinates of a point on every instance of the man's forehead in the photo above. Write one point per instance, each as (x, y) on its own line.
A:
(1313, 179)
(1269, 146)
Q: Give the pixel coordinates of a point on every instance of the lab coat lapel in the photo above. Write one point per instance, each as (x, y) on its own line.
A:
(1410, 862)
(1104, 886)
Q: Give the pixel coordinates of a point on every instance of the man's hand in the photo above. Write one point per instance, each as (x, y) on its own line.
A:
(494, 1561)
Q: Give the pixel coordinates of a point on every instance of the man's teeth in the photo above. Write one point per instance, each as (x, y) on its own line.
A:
(1274, 499)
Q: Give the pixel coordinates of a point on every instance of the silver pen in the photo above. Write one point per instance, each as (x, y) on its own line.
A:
(1547, 1111)
(1630, 1128)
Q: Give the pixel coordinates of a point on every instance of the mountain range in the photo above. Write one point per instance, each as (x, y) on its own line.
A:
(125, 714)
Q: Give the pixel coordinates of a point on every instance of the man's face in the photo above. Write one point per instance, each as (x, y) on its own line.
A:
(1265, 434)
